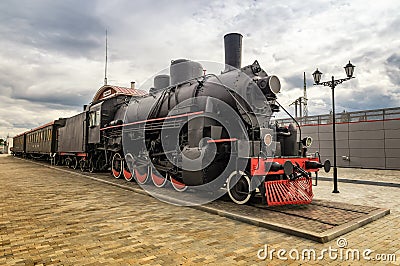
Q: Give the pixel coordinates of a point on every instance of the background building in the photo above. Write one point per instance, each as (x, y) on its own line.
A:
(9, 144)
(364, 139)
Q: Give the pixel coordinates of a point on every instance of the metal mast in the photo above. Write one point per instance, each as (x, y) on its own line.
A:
(296, 102)
(305, 99)
(105, 67)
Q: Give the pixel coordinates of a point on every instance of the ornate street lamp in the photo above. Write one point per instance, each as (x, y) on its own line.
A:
(317, 76)
(349, 69)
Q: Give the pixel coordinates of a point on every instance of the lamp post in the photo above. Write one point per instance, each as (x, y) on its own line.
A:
(349, 69)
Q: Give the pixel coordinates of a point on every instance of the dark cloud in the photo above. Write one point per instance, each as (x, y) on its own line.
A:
(394, 60)
(370, 97)
(18, 115)
(393, 68)
(297, 81)
(50, 87)
(65, 99)
(68, 27)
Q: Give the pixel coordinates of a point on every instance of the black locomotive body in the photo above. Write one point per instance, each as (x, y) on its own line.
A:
(211, 132)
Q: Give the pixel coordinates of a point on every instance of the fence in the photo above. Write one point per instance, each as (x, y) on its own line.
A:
(359, 116)
(365, 139)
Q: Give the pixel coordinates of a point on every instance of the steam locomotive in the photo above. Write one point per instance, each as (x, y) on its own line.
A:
(191, 131)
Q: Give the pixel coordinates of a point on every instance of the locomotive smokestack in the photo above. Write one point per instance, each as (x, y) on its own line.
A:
(233, 50)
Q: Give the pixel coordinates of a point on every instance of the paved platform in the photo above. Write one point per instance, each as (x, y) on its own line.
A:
(320, 221)
(368, 175)
(52, 217)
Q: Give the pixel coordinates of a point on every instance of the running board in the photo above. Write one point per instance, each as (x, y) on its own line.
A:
(284, 192)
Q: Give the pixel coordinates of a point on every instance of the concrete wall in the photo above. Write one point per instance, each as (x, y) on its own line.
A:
(369, 144)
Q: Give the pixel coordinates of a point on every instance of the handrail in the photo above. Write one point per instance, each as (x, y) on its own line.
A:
(343, 117)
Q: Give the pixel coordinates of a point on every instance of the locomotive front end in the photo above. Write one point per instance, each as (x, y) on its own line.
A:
(279, 165)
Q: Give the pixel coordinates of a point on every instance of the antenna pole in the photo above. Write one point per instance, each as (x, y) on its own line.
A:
(105, 68)
(305, 110)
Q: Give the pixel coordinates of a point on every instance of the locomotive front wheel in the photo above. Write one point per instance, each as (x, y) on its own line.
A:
(238, 186)
(117, 165)
(178, 186)
(158, 179)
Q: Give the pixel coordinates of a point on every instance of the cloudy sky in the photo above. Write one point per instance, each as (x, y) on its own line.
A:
(52, 52)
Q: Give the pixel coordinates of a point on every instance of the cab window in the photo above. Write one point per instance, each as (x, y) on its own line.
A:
(94, 118)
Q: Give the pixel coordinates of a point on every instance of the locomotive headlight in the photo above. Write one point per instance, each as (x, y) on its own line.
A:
(270, 84)
(307, 141)
(274, 84)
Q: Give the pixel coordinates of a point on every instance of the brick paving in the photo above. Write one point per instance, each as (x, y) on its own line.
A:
(56, 218)
(392, 176)
(316, 217)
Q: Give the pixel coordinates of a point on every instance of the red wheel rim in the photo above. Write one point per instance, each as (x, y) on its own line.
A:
(158, 180)
(117, 173)
(128, 166)
(141, 178)
(178, 185)
(127, 174)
